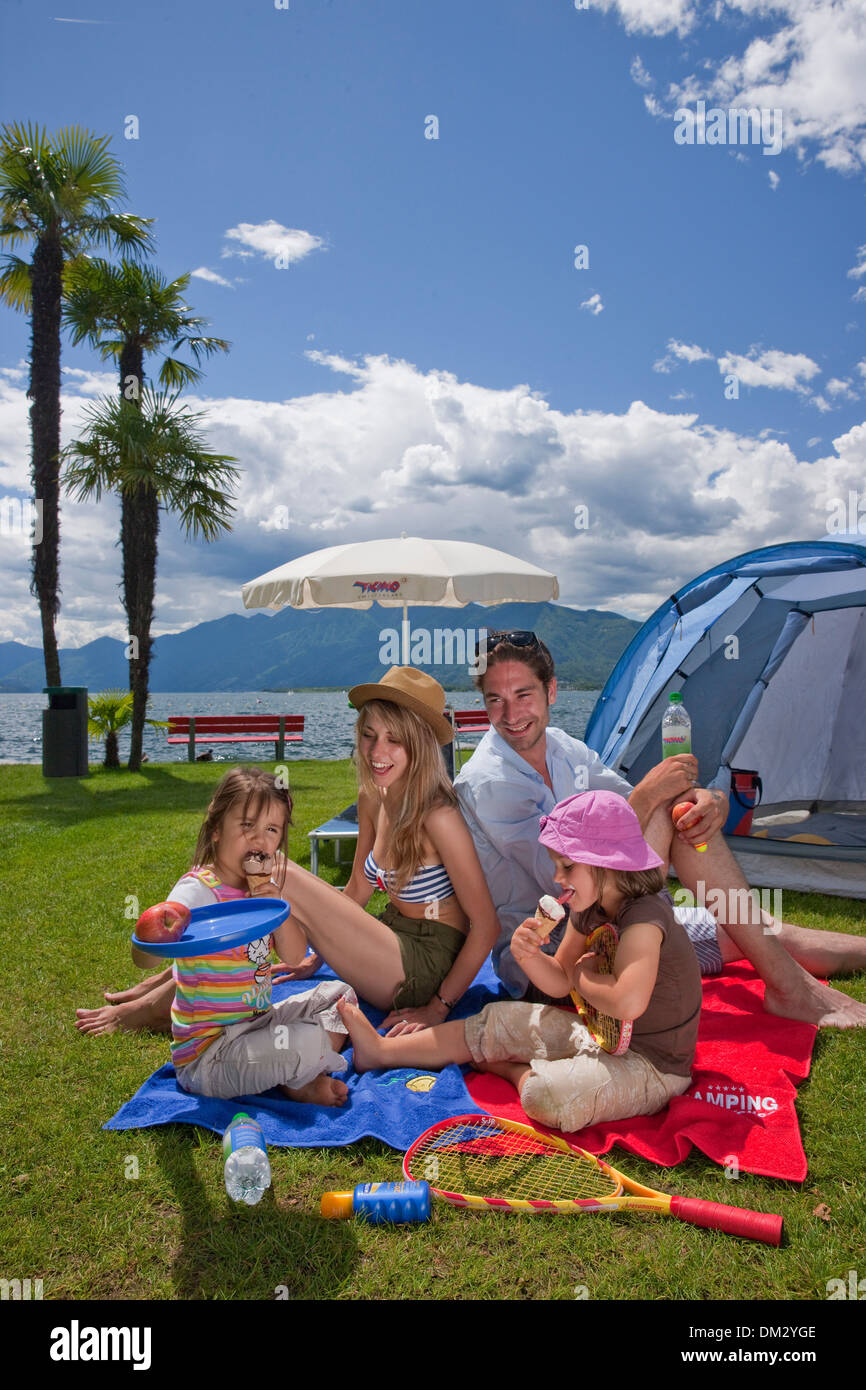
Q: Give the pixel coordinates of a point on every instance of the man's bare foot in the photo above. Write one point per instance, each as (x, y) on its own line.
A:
(131, 1015)
(322, 1090)
(814, 1002)
(370, 1051)
(123, 996)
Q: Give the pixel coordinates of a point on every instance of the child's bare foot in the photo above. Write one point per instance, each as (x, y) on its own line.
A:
(370, 1051)
(147, 1012)
(105, 1020)
(322, 1090)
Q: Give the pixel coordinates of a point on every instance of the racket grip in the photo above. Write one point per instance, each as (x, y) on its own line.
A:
(736, 1221)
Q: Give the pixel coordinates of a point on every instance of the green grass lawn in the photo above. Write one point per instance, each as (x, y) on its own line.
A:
(75, 854)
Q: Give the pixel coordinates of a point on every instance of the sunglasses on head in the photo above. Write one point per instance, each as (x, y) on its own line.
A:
(512, 639)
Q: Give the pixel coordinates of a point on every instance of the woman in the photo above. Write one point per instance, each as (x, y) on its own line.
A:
(420, 957)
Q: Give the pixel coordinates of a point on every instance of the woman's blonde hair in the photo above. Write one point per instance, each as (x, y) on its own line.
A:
(255, 789)
(427, 785)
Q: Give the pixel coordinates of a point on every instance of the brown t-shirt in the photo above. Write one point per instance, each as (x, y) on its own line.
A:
(667, 1032)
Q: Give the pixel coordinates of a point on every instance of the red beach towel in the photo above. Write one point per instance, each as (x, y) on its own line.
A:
(740, 1106)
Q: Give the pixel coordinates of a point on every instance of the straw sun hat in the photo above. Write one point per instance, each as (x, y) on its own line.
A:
(414, 690)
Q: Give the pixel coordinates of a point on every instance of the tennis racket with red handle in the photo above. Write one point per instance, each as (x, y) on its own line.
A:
(612, 1034)
(483, 1162)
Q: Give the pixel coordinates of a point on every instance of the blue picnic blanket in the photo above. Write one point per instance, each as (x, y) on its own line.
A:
(394, 1106)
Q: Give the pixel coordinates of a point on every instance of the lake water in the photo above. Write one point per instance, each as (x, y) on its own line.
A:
(327, 732)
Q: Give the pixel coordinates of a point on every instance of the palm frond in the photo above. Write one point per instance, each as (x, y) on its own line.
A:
(174, 373)
(154, 446)
(15, 288)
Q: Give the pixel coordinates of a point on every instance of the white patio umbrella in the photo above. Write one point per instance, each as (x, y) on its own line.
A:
(401, 573)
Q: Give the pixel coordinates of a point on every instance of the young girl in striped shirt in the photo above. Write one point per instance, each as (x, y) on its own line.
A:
(227, 1037)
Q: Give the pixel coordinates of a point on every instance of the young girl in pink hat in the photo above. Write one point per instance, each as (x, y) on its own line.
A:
(564, 1078)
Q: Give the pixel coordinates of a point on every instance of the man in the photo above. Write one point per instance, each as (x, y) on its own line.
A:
(523, 767)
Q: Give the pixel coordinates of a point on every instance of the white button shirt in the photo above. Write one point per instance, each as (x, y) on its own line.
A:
(503, 799)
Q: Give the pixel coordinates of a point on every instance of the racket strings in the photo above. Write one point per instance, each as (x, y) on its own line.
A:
(503, 1164)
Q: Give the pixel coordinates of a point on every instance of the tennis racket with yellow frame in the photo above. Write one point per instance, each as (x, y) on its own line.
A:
(483, 1162)
(611, 1034)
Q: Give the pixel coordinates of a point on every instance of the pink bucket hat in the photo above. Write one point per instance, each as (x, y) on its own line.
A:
(598, 828)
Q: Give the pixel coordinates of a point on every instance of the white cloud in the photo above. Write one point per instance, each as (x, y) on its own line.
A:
(810, 443)
(593, 304)
(835, 387)
(271, 240)
(820, 403)
(682, 352)
(655, 17)
(809, 62)
(688, 352)
(780, 371)
(88, 382)
(640, 75)
(861, 367)
(389, 447)
(859, 269)
(211, 276)
(774, 179)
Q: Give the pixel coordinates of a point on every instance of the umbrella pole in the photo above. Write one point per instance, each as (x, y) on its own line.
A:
(406, 635)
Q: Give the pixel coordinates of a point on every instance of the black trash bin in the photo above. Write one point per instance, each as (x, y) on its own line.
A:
(64, 731)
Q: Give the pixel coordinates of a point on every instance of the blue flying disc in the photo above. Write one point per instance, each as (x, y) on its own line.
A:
(221, 925)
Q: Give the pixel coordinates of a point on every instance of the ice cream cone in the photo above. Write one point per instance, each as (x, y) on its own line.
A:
(548, 913)
(258, 869)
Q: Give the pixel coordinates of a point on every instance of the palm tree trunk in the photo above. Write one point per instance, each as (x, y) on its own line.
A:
(139, 524)
(47, 285)
(111, 758)
(138, 533)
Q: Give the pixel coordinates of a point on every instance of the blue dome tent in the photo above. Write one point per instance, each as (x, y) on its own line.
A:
(769, 653)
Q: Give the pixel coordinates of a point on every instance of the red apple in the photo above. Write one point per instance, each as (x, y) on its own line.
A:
(163, 922)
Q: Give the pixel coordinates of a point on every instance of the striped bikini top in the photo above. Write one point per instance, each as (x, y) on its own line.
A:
(428, 885)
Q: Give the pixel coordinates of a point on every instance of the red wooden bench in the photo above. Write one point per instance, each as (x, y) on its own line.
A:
(236, 728)
(468, 721)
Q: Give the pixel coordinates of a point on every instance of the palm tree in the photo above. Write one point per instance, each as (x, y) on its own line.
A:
(58, 192)
(126, 311)
(107, 714)
(151, 452)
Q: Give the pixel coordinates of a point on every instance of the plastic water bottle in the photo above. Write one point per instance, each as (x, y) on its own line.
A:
(247, 1170)
(676, 728)
(378, 1202)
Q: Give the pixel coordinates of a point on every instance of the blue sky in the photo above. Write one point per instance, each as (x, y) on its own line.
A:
(428, 358)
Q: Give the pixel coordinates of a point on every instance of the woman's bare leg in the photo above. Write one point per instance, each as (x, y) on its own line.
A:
(358, 947)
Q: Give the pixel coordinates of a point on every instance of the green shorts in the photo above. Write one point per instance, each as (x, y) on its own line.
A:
(428, 950)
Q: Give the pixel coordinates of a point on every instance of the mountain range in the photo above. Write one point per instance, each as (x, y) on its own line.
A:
(331, 647)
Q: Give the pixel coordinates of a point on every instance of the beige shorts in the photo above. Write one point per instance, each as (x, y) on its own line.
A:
(572, 1081)
(286, 1046)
